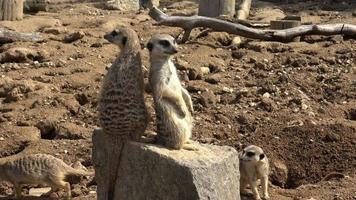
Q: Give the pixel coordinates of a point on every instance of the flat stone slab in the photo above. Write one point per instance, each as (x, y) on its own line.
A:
(152, 172)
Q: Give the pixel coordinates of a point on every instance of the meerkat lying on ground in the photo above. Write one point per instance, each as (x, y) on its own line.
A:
(38, 169)
(173, 103)
(254, 166)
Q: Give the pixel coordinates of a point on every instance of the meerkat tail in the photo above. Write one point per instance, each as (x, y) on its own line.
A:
(113, 164)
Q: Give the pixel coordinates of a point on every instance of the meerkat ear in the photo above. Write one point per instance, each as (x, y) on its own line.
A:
(149, 46)
(262, 156)
(124, 40)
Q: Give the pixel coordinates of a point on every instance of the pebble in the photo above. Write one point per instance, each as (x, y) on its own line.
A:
(227, 90)
(266, 95)
(304, 106)
(2, 138)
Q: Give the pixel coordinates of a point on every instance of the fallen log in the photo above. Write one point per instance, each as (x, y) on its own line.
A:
(7, 36)
(286, 35)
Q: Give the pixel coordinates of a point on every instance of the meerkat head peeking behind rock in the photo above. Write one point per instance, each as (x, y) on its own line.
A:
(252, 153)
(162, 46)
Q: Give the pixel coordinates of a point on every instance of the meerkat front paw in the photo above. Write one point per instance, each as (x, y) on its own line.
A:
(190, 147)
(149, 137)
(266, 196)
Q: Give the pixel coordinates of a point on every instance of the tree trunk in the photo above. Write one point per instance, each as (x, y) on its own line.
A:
(215, 8)
(11, 10)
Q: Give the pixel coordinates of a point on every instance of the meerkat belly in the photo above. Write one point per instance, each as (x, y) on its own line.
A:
(123, 114)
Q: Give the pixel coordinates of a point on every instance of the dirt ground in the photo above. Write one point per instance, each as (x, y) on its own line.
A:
(297, 100)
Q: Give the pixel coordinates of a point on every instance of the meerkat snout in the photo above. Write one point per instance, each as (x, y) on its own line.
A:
(116, 37)
(163, 45)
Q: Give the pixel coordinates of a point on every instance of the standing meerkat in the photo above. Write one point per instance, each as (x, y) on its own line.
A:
(122, 109)
(254, 166)
(173, 103)
(38, 169)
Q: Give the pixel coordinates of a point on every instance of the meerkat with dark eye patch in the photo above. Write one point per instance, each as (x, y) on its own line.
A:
(254, 166)
(122, 108)
(122, 111)
(173, 104)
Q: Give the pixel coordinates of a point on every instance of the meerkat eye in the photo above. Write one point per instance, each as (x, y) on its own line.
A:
(250, 154)
(262, 156)
(150, 46)
(164, 43)
(124, 40)
(114, 33)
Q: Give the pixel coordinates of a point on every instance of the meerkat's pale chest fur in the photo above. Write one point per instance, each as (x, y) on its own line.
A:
(38, 169)
(254, 166)
(173, 103)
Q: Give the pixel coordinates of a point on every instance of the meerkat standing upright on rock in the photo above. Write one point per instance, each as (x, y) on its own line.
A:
(254, 166)
(38, 169)
(173, 104)
(122, 111)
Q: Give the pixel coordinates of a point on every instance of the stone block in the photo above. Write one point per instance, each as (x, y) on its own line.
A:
(152, 172)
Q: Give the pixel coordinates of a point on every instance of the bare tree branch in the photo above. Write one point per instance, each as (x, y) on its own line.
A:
(286, 35)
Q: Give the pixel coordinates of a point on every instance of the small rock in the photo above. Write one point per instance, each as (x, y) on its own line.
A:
(279, 173)
(73, 37)
(96, 45)
(304, 106)
(47, 128)
(331, 137)
(2, 138)
(236, 41)
(76, 191)
(23, 123)
(267, 104)
(266, 95)
(72, 131)
(227, 90)
(195, 74)
(222, 38)
(214, 79)
(208, 99)
(37, 192)
(182, 64)
(238, 54)
(205, 70)
(216, 65)
(52, 30)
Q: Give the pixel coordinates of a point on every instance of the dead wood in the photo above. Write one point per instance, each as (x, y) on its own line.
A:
(286, 35)
(7, 36)
(243, 10)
